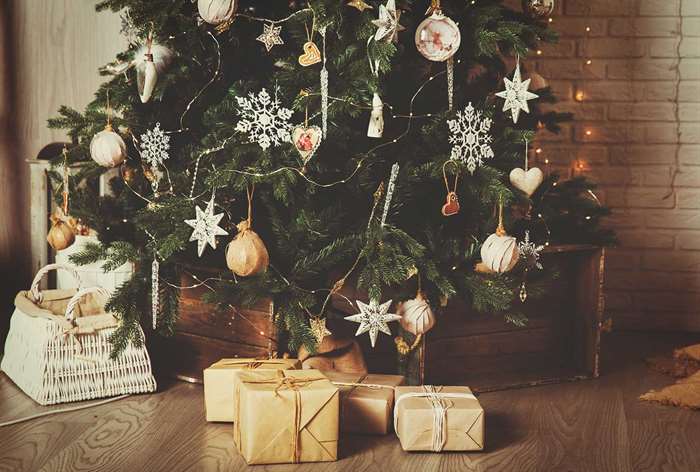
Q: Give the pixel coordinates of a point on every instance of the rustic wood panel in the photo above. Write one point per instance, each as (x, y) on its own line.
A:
(597, 425)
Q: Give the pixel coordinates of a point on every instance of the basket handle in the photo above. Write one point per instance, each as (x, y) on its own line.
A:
(34, 290)
(73, 302)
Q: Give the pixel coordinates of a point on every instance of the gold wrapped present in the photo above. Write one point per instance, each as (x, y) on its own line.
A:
(288, 416)
(366, 401)
(219, 380)
(428, 418)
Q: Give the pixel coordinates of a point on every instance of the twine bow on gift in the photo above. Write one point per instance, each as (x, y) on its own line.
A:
(439, 406)
(292, 383)
(354, 385)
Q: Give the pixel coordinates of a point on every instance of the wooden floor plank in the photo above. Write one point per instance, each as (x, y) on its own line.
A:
(596, 425)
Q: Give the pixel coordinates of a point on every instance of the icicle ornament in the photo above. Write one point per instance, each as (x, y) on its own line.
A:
(324, 87)
(155, 302)
(390, 191)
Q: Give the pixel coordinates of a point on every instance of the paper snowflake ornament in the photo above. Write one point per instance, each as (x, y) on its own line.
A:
(387, 24)
(530, 251)
(206, 227)
(318, 328)
(373, 318)
(516, 94)
(271, 36)
(155, 145)
(470, 138)
(263, 119)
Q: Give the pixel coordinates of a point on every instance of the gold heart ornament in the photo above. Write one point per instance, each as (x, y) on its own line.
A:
(311, 54)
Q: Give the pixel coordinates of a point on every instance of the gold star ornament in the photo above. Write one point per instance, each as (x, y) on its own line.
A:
(360, 5)
(318, 328)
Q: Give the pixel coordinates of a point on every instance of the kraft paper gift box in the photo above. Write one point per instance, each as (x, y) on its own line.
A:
(366, 401)
(286, 416)
(428, 418)
(220, 377)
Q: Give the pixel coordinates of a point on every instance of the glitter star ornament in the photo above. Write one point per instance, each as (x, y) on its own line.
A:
(271, 36)
(206, 227)
(360, 5)
(387, 24)
(373, 318)
(530, 252)
(155, 145)
(318, 328)
(263, 119)
(470, 138)
(516, 94)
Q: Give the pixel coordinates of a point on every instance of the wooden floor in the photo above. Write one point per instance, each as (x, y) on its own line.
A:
(590, 426)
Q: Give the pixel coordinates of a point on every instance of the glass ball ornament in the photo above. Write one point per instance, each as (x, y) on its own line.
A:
(107, 148)
(538, 8)
(438, 37)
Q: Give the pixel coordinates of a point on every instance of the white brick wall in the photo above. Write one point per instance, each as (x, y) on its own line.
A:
(642, 106)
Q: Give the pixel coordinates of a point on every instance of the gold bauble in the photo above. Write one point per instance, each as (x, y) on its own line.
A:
(61, 235)
(246, 254)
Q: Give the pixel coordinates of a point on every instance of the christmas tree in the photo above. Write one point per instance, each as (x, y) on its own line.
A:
(331, 142)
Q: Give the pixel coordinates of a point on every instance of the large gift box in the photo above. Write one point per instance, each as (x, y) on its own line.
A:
(288, 416)
(366, 401)
(431, 418)
(219, 380)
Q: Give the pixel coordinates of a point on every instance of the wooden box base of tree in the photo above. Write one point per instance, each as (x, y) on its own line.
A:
(205, 334)
(561, 341)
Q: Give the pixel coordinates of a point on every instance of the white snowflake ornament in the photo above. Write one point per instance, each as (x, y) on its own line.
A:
(206, 227)
(373, 318)
(530, 252)
(470, 138)
(270, 36)
(263, 119)
(516, 94)
(155, 145)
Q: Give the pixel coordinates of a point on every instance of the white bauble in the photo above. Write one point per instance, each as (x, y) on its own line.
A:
(107, 148)
(500, 252)
(437, 37)
(216, 12)
(416, 315)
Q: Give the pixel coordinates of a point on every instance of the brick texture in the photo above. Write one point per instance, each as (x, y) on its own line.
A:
(637, 133)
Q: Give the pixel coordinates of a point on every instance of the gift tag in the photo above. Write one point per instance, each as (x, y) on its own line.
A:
(306, 140)
(451, 207)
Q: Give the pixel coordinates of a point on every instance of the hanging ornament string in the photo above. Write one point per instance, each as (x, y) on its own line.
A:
(65, 181)
(390, 191)
(444, 176)
(526, 156)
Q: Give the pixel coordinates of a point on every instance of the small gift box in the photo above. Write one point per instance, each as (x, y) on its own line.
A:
(286, 416)
(219, 380)
(428, 418)
(366, 401)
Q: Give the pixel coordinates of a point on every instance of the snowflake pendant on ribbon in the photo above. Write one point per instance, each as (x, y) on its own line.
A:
(263, 119)
(155, 145)
(206, 227)
(470, 138)
(373, 318)
(516, 94)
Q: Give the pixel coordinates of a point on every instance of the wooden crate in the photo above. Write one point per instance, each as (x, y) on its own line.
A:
(204, 334)
(561, 341)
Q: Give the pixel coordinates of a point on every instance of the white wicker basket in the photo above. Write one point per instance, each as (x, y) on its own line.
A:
(58, 359)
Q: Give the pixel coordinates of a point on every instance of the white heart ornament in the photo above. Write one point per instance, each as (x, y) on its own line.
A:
(306, 140)
(526, 181)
